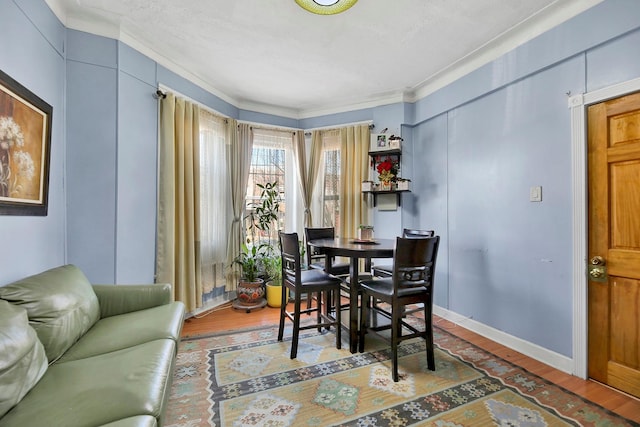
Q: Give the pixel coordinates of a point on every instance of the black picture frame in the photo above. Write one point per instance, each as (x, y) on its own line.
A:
(25, 150)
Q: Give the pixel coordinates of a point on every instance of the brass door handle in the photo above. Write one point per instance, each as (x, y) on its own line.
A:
(597, 273)
(597, 269)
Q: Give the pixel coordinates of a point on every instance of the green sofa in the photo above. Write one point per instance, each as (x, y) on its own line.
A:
(76, 354)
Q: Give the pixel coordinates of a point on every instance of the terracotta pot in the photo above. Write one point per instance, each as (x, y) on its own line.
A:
(249, 293)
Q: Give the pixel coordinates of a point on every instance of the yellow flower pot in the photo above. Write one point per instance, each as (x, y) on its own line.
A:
(274, 295)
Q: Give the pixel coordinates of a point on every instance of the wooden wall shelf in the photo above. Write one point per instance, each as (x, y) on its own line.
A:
(376, 192)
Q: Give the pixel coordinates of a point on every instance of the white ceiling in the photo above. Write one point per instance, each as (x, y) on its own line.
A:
(272, 56)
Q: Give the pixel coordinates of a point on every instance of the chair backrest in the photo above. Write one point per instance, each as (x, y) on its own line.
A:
(414, 263)
(313, 255)
(414, 233)
(290, 253)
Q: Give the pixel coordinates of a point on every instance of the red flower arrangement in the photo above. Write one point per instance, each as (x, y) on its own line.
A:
(387, 170)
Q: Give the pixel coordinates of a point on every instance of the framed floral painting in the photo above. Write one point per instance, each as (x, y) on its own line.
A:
(25, 142)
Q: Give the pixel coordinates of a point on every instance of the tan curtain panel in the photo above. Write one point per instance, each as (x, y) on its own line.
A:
(307, 175)
(178, 248)
(354, 162)
(240, 139)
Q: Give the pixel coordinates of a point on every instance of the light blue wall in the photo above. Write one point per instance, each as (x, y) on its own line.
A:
(511, 258)
(32, 53)
(479, 144)
(91, 162)
(472, 149)
(427, 204)
(137, 159)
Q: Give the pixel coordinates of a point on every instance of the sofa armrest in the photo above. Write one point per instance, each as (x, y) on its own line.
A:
(119, 299)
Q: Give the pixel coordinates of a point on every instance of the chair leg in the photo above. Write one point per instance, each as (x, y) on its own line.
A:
(283, 308)
(319, 310)
(338, 317)
(396, 331)
(428, 325)
(364, 313)
(327, 300)
(296, 326)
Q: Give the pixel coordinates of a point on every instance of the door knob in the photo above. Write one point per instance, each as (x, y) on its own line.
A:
(597, 269)
(596, 273)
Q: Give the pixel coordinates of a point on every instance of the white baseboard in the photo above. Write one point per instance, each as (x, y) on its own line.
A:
(541, 354)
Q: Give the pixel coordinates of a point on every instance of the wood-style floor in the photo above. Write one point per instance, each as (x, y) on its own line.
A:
(227, 319)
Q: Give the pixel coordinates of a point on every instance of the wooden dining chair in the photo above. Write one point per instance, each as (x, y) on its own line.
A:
(386, 270)
(305, 282)
(315, 258)
(411, 284)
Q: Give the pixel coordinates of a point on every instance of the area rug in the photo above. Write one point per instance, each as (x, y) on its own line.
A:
(247, 379)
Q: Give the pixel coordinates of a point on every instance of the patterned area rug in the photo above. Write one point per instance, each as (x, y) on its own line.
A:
(247, 379)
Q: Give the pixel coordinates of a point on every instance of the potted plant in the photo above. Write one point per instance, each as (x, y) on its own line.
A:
(250, 290)
(257, 250)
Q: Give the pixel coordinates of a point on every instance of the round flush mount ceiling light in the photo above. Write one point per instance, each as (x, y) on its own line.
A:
(326, 7)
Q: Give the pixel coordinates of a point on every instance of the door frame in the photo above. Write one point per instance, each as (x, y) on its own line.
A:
(578, 105)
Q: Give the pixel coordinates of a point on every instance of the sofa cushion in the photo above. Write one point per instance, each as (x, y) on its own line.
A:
(139, 421)
(99, 390)
(127, 330)
(60, 303)
(22, 358)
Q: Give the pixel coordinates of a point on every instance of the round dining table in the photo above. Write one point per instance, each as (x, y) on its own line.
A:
(355, 250)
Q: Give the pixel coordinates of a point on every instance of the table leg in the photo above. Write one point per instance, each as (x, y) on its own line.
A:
(353, 305)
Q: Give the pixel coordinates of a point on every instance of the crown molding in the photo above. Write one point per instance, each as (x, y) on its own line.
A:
(551, 16)
(546, 19)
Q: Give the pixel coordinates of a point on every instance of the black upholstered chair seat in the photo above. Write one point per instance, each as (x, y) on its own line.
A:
(384, 288)
(314, 278)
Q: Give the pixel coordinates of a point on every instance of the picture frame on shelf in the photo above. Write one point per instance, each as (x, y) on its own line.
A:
(25, 144)
(379, 142)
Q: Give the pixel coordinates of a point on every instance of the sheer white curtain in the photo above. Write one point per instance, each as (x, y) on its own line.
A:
(322, 208)
(293, 204)
(215, 212)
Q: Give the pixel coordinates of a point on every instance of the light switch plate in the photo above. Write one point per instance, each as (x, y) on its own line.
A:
(535, 194)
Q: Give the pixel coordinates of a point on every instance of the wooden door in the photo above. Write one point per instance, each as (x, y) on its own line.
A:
(614, 235)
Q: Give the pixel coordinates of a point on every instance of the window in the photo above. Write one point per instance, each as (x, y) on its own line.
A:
(214, 205)
(272, 161)
(327, 190)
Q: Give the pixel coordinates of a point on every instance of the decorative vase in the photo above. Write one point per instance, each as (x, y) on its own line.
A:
(385, 185)
(250, 295)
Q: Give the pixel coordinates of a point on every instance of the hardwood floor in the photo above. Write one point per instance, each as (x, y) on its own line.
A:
(228, 319)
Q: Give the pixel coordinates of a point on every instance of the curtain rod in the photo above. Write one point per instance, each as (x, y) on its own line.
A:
(161, 93)
(268, 127)
(307, 132)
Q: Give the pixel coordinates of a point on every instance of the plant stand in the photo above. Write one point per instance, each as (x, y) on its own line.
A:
(239, 305)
